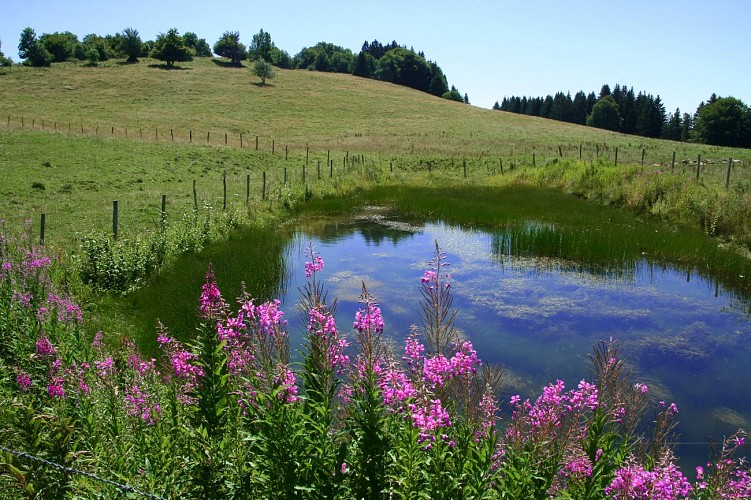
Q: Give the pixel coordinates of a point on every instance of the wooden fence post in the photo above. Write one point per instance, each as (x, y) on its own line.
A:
(643, 153)
(560, 152)
(164, 212)
(727, 178)
(172, 135)
(225, 138)
(208, 136)
(391, 166)
(616, 156)
(319, 170)
(195, 197)
(256, 143)
(224, 184)
(114, 219)
(263, 187)
(241, 140)
(465, 168)
(190, 136)
(672, 164)
(41, 229)
(331, 168)
(698, 167)
(273, 146)
(286, 153)
(247, 189)
(307, 152)
(534, 160)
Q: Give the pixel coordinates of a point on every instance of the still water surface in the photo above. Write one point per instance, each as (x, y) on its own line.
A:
(684, 337)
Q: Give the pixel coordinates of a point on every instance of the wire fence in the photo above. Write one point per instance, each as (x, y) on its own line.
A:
(69, 470)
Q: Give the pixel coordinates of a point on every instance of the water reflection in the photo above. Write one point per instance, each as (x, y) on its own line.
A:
(540, 317)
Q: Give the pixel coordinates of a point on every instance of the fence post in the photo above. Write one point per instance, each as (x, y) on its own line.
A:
(391, 166)
(140, 131)
(465, 168)
(241, 140)
(643, 152)
(256, 143)
(698, 167)
(500, 161)
(560, 152)
(307, 152)
(263, 187)
(247, 189)
(286, 152)
(164, 212)
(225, 138)
(190, 136)
(224, 184)
(96, 130)
(616, 156)
(41, 229)
(195, 197)
(727, 178)
(172, 135)
(328, 156)
(126, 132)
(319, 170)
(273, 146)
(672, 164)
(114, 219)
(113, 131)
(580, 151)
(534, 160)
(331, 168)
(208, 136)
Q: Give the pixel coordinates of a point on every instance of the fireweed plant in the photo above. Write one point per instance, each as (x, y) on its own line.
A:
(228, 416)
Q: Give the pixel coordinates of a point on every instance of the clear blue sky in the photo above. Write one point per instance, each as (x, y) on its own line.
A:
(683, 50)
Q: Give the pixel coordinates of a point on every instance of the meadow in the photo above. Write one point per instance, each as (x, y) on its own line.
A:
(197, 421)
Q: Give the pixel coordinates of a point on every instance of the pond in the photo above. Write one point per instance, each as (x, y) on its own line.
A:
(684, 336)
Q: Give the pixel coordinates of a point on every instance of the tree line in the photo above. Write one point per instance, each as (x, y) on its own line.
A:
(721, 121)
(391, 62)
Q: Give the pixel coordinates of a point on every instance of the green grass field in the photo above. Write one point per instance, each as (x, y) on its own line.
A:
(64, 150)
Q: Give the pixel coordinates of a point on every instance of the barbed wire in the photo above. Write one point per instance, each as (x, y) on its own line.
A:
(123, 487)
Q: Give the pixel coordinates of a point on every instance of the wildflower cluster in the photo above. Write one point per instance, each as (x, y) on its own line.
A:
(354, 420)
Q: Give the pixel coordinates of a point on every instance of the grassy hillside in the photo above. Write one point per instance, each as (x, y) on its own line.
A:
(323, 110)
(64, 150)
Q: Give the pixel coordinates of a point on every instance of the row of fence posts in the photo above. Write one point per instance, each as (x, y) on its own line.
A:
(115, 212)
(346, 161)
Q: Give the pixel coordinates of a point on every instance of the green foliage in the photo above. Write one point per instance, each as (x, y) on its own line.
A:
(263, 70)
(261, 46)
(453, 95)
(4, 61)
(92, 55)
(100, 44)
(28, 38)
(200, 46)
(171, 48)
(364, 65)
(605, 115)
(62, 46)
(229, 46)
(724, 122)
(324, 57)
(131, 44)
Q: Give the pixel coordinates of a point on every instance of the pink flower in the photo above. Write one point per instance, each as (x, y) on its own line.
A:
(212, 305)
(24, 381)
(44, 348)
(311, 268)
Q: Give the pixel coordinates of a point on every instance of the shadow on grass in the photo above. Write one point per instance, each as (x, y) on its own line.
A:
(261, 84)
(227, 64)
(169, 68)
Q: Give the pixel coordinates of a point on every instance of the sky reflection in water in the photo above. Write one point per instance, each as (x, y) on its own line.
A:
(684, 338)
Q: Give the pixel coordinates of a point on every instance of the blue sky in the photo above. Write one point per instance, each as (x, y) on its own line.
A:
(682, 50)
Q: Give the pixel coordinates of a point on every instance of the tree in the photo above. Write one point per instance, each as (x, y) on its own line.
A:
(171, 48)
(724, 121)
(131, 44)
(229, 46)
(496, 106)
(404, 67)
(605, 114)
(280, 58)
(101, 44)
(92, 55)
(453, 95)
(672, 128)
(260, 46)
(364, 65)
(579, 108)
(263, 70)
(28, 38)
(62, 46)
(466, 98)
(200, 47)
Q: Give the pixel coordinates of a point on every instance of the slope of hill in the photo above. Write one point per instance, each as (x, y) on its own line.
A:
(323, 110)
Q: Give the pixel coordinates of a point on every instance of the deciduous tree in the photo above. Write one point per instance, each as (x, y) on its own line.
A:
(724, 121)
(171, 48)
(263, 70)
(605, 114)
(229, 46)
(131, 44)
(261, 46)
